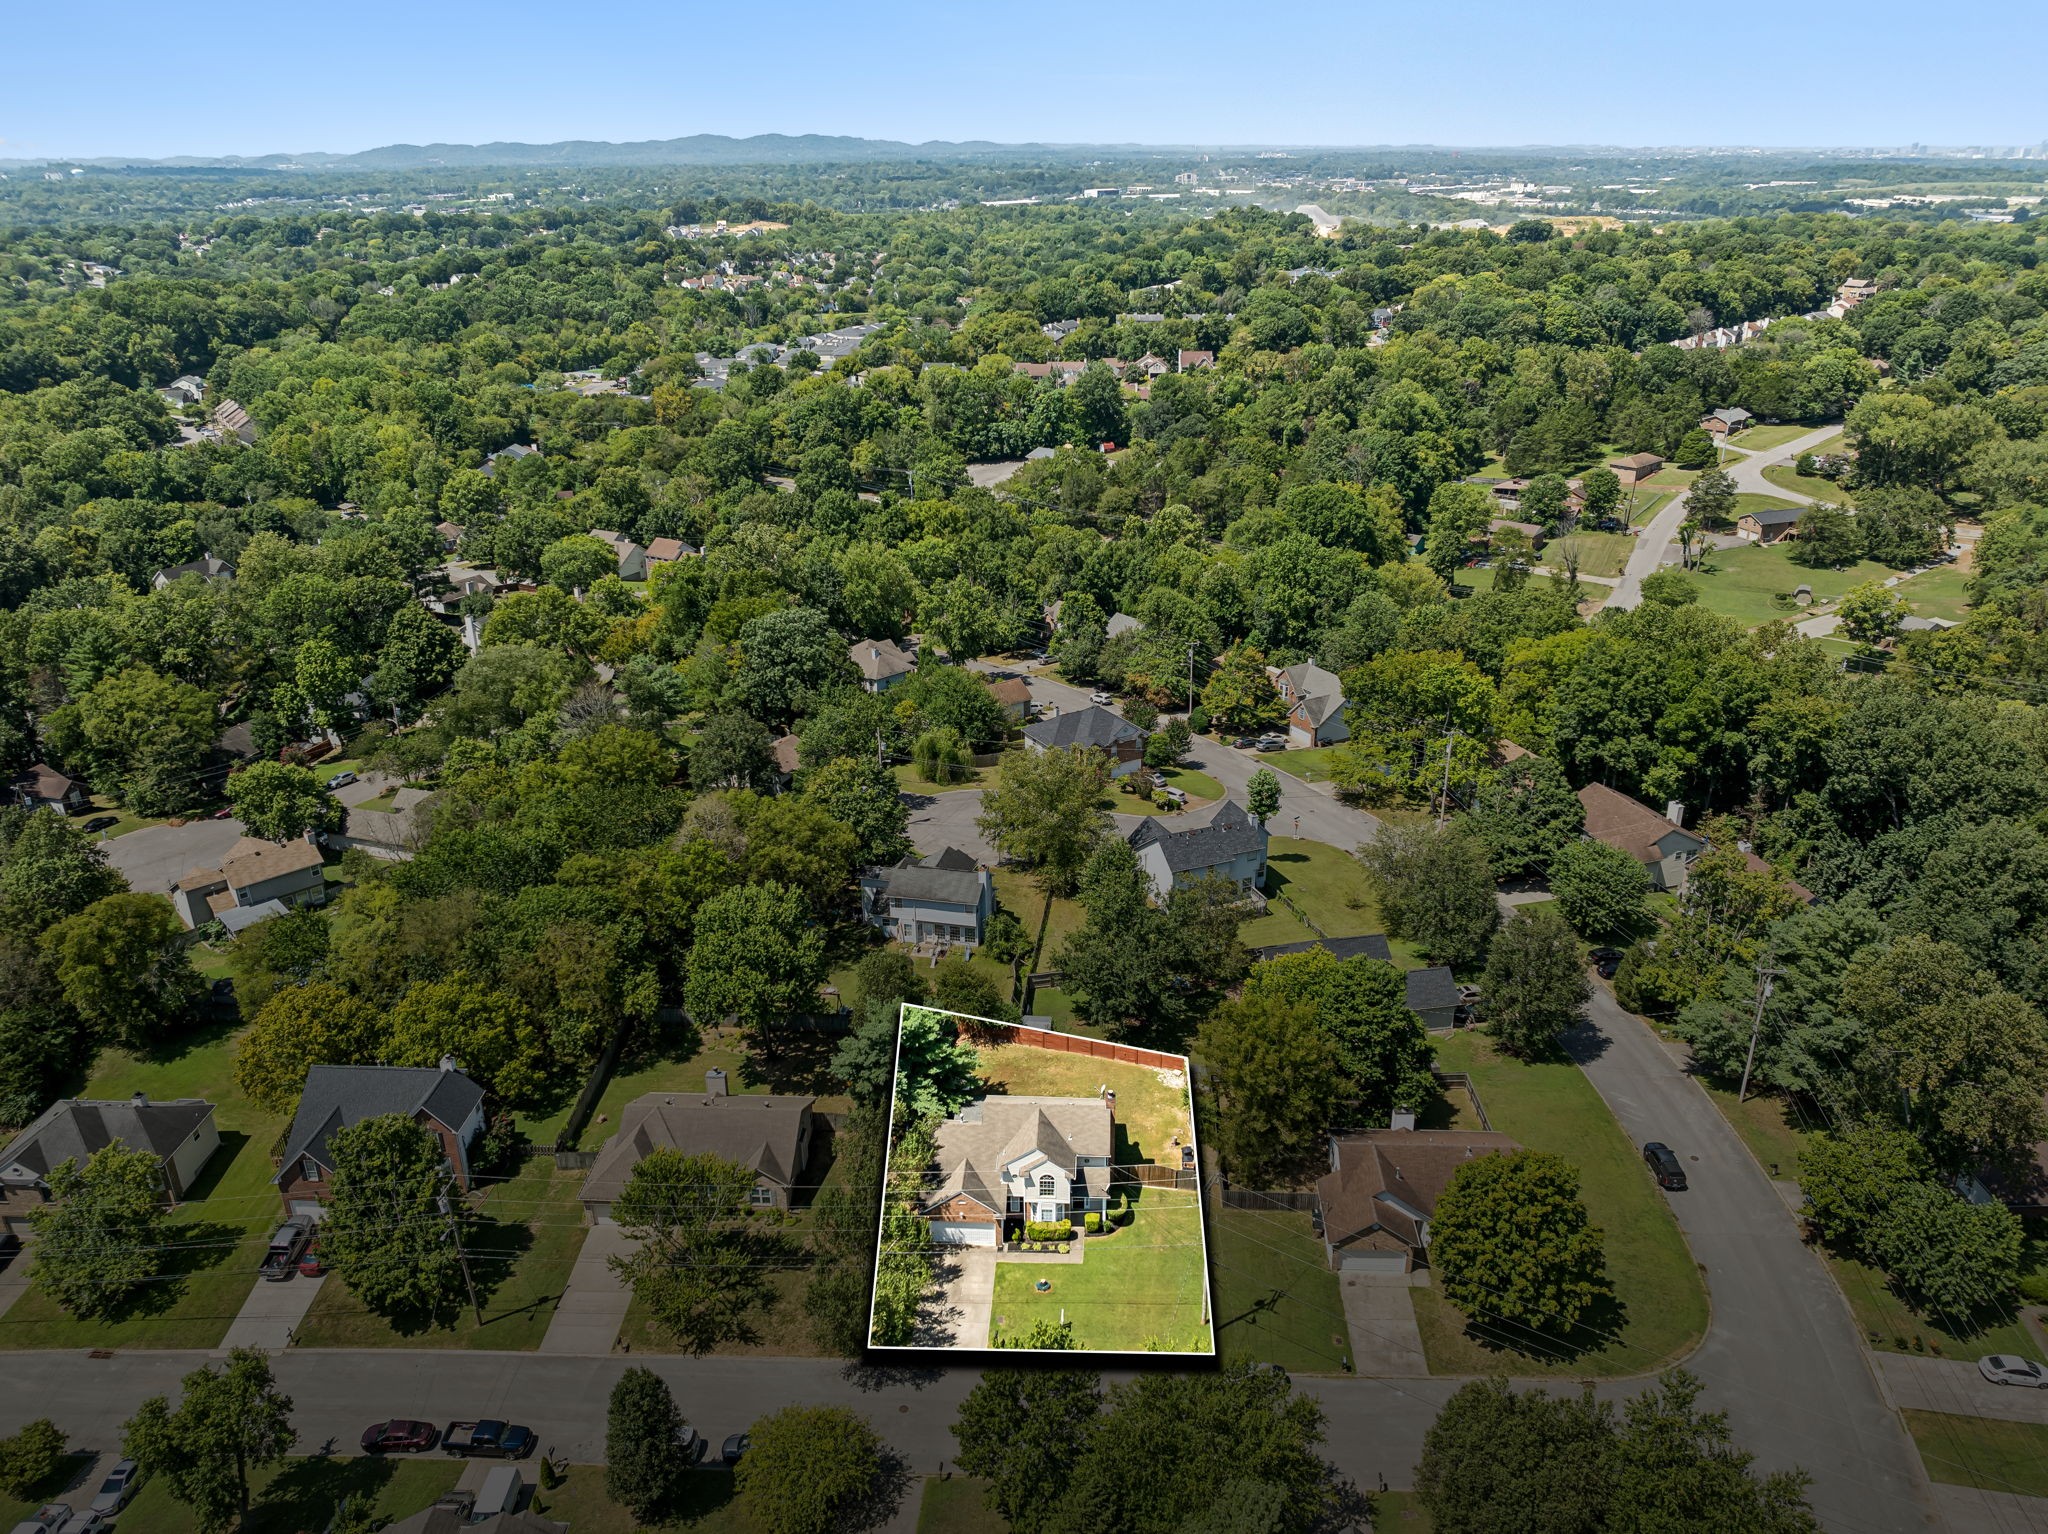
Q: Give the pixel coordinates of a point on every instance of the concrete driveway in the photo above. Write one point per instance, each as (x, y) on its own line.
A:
(958, 1315)
(1782, 1356)
(272, 1313)
(1385, 1341)
(593, 1303)
(157, 857)
(14, 1278)
(1954, 1385)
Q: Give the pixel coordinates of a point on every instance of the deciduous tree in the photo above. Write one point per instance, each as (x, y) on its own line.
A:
(1511, 1243)
(230, 1422)
(100, 1237)
(1535, 985)
(644, 1466)
(1046, 811)
(809, 1470)
(393, 1218)
(277, 801)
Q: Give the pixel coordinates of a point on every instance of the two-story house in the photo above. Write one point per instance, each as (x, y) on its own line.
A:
(1221, 841)
(440, 1099)
(1003, 1161)
(43, 787)
(252, 874)
(881, 664)
(631, 558)
(943, 899)
(1097, 729)
(1659, 842)
(1315, 704)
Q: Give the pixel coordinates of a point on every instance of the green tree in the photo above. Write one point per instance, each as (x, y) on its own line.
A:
(1851, 1173)
(949, 697)
(492, 1033)
(1602, 489)
(1695, 450)
(963, 618)
(1014, 1423)
(1262, 795)
(229, 1422)
(936, 1074)
(1457, 512)
(577, 563)
(420, 656)
(809, 1470)
(1827, 537)
(1045, 811)
(1382, 1053)
(1510, 1243)
(100, 1237)
(644, 1468)
(1676, 1468)
(148, 735)
(1273, 1078)
(393, 1218)
(30, 1459)
(1599, 889)
(278, 802)
(1499, 1461)
(1525, 812)
(49, 871)
(864, 798)
(1434, 888)
(789, 660)
(1535, 985)
(942, 756)
(758, 956)
(732, 751)
(1870, 613)
(1239, 695)
(299, 1027)
(1710, 500)
(1945, 1254)
(123, 964)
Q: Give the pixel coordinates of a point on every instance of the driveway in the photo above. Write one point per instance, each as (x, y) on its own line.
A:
(1954, 1385)
(1385, 1341)
(272, 1313)
(958, 1315)
(593, 1303)
(1782, 1356)
(157, 857)
(14, 1278)
(1746, 468)
(939, 821)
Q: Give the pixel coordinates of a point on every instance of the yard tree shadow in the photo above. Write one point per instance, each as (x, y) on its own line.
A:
(1603, 1323)
(305, 1493)
(698, 1316)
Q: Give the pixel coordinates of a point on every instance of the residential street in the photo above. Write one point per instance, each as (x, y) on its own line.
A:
(1747, 469)
(1782, 1356)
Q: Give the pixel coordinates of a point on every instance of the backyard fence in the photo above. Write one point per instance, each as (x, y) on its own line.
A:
(1151, 1174)
(1268, 1200)
(1075, 1044)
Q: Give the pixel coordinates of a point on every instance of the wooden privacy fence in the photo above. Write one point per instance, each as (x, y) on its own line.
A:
(1268, 1199)
(1150, 1174)
(1075, 1044)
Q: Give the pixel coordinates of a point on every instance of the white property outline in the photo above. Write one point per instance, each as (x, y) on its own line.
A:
(888, 1163)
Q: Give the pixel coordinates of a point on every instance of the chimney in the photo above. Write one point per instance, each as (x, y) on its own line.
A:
(1675, 813)
(714, 1082)
(448, 1063)
(1401, 1118)
(140, 1100)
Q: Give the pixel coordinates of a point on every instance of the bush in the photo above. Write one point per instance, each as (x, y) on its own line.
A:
(30, 1458)
(1048, 1230)
(1092, 1221)
(1198, 721)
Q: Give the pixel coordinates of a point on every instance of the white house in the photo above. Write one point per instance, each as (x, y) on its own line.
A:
(1315, 704)
(1007, 1160)
(206, 567)
(181, 1134)
(632, 559)
(1221, 842)
(945, 899)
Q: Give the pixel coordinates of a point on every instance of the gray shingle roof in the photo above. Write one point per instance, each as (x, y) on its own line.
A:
(1431, 990)
(72, 1130)
(942, 880)
(1371, 946)
(973, 1149)
(1092, 726)
(1202, 838)
(1773, 516)
(764, 1133)
(337, 1096)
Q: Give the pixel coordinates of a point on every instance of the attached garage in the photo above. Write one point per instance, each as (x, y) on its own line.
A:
(1367, 1260)
(308, 1209)
(963, 1233)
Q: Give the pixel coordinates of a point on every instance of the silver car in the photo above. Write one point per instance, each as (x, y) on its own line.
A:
(115, 1491)
(2004, 1369)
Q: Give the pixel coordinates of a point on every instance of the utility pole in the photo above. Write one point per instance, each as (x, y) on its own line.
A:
(1764, 976)
(462, 1257)
(1191, 680)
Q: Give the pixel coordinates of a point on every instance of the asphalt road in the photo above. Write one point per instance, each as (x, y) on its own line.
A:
(1782, 1356)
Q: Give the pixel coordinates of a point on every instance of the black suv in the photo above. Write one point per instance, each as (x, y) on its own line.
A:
(1664, 1166)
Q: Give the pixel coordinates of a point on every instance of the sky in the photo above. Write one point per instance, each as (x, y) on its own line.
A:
(150, 80)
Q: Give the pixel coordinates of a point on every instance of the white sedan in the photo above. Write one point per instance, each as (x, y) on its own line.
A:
(2004, 1369)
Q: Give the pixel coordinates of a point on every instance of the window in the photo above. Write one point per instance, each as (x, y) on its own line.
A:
(760, 1195)
(1045, 1186)
(309, 1169)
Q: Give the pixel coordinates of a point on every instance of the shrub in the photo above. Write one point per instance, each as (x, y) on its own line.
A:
(1092, 1221)
(30, 1458)
(1048, 1230)
(1198, 720)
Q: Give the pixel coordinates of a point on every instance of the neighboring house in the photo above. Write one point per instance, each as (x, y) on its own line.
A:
(1013, 696)
(231, 420)
(771, 1136)
(336, 1097)
(206, 567)
(632, 559)
(786, 758)
(944, 899)
(253, 872)
(1769, 526)
(450, 534)
(1315, 704)
(43, 787)
(1918, 625)
(880, 663)
(1635, 468)
(1190, 360)
(1120, 623)
(1724, 421)
(1659, 842)
(186, 389)
(666, 551)
(1096, 728)
(1533, 531)
(1005, 1160)
(1220, 842)
(1433, 997)
(181, 1134)
(512, 454)
(1380, 1193)
(1371, 946)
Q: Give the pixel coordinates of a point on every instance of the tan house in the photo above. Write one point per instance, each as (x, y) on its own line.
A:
(43, 787)
(1380, 1193)
(882, 665)
(1773, 525)
(1007, 1160)
(1659, 842)
(1635, 468)
(440, 1099)
(181, 1134)
(1013, 696)
(253, 872)
(769, 1135)
(666, 551)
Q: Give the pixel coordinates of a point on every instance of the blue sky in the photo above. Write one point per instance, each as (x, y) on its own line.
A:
(233, 78)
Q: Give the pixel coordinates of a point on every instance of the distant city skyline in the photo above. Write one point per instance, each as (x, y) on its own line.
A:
(141, 81)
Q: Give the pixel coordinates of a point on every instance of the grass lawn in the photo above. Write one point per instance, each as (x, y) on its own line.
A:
(1330, 889)
(528, 1234)
(1890, 1325)
(1278, 925)
(1763, 438)
(911, 781)
(1988, 1453)
(1768, 1122)
(1744, 583)
(1276, 1298)
(958, 1504)
(1139, 1290)
(775, 1328)
(1196, 785)
(1017, 891)
(1787, 477)
(301, 1494)
(1649, 501)
(708, 1505)
(383, 803)
(1668, 478)
(1661, 1303)
(229, 1219)
(1312, 765)
(1055, 1005)
(1149, 1114)
(1942, 592)
(1399, 1512)
(1599, 553)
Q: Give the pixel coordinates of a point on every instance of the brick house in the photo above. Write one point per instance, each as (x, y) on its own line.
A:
(1381, 1191)
(441, 1099)
(1003, 1161)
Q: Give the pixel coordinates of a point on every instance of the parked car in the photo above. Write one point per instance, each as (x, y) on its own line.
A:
(1606, 961)
(1664, 1166)
(735, 1449)
(1243, 743)
(340, 780)
(46, 1519)
(1272, 743)
(222, 991)
(102, 823)
(1101, 699)
(121, 1483)
(227, 812)
(310, 1265)
(86, 1521)
(281, 1261)
(487, 1439)
(401, 1435)
(2005, 1369)
(1609, 525)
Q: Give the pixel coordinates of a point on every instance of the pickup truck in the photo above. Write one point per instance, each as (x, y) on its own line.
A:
(487, 1440)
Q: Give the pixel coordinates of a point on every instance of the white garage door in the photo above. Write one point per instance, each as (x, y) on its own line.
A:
(1372, 1262)
(963, 1233)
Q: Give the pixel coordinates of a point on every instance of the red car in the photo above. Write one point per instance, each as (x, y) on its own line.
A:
(310, 1265)
(400, 1436)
